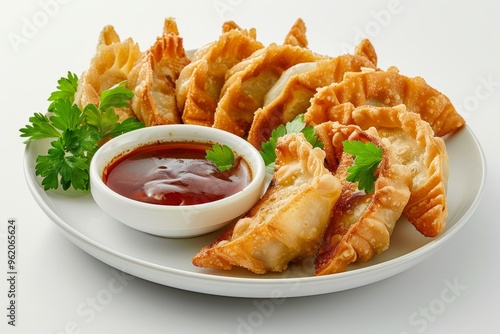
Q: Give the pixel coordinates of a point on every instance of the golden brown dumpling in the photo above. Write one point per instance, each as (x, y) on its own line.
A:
(361, 223)
(288, 222)
(249, 81)
(200, 83)
(153, 78)
(291, 94)
(388, 88)
(417, 147)
(110, 65)
(425, 155)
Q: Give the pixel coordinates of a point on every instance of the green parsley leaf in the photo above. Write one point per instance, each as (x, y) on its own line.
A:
(72, 170)
(268, 152)
(66, 89)
(40, 128)
(67, 116)
(127, 125)
(117, 96)
(222, 156)
(77, 133)
(297, 125)
(103, 121)
(367, 158)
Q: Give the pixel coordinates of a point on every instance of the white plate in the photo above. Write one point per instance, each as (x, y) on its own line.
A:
(168, 261)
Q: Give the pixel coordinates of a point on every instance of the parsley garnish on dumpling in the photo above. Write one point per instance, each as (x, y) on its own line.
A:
(297, 125)
(367, 155)
(367, 158)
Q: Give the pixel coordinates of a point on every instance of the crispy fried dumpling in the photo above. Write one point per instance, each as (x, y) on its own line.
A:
(200, 83)
(425, 154)
(360, 223)
(110, 65)
(297, 34)
(291, 94)
(388, 88)
(417, 147)
(152, 79)
(288, 222)
(249, 81)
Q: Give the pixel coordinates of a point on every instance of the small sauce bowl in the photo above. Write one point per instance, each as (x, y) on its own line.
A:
(176, 221)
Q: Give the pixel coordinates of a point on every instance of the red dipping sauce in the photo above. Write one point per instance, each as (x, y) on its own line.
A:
(174, 173)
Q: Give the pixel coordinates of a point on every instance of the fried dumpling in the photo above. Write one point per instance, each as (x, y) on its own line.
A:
(388, 88)
(288, 222)
(152, 79)
(200, 83)
(425, 155)
(249, 81)
(110, 65)
(360, 223)
(417, 147)
(291, 94)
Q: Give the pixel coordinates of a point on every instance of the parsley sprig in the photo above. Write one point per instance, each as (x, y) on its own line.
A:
(77, 133)
(222, 156)
(367, 158)
(297, 125)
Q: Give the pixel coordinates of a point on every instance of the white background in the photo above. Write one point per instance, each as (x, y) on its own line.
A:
(453, 45)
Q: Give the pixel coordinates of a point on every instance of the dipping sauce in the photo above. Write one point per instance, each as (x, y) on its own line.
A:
(174, 173)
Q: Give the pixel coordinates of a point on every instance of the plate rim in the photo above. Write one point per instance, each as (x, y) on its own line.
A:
(389, 267)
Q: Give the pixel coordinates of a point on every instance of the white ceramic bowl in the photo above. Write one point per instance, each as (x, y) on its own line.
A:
(175, 221)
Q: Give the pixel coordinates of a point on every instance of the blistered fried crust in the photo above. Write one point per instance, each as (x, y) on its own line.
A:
(108, 36)
(153, 77)
(425, 155)
(170, 27)
(366, 49)
(297, 35)
(288, 222)
(248, 82)
(293, 97)
(360, 224)
(110, 65)
(388, 88)
(200, 83)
